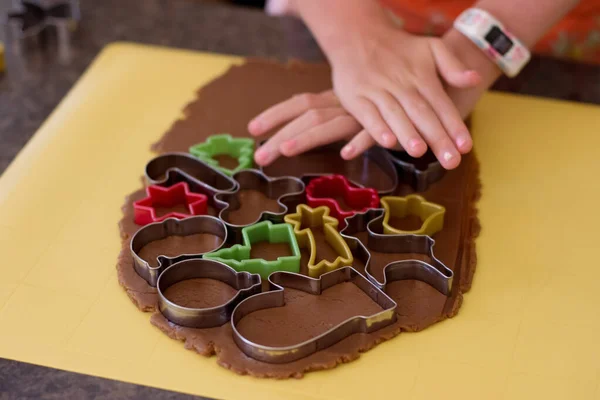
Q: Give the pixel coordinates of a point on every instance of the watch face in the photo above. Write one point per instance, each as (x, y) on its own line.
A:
(498, 40)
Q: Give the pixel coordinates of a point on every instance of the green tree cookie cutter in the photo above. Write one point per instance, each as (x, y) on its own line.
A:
(304, 221)
(431, 214)
(238, 256)
(241, 149)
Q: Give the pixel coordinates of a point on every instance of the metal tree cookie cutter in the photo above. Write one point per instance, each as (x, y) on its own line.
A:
(159, 196)
(430, 214)
(242, 149)
(357, 171)
(246, 285)
(288, 192)
(278, 281)
(419, 173)
(434, 273)
(239, 256)
(304, 220)
(325, 190)
(172, 227)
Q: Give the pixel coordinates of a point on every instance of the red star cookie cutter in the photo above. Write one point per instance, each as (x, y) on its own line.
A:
(325, 190)
(167, 197)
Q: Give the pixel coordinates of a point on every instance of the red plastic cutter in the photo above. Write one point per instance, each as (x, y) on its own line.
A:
(326, 190)
(168, 197)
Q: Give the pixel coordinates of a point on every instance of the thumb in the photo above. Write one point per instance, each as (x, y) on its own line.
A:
(451, 68)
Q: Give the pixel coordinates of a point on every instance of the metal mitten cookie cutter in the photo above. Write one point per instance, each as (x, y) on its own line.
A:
(288, 192)
(435, 273)
(278, 281)
(246, 285)
(172, 227)
(419, 173)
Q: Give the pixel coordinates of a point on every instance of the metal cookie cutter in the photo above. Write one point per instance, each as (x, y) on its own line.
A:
(288, 192)
(239, 256)
(357, 170)
(436, 273)
(430, 214)
(242, 149)
(246, 285)
(304, 220)
(278, 281)
(159, 196)
(172, 227)
(325, 190)
(419, 173)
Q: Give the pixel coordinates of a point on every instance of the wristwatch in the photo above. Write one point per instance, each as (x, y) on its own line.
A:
(494, 40)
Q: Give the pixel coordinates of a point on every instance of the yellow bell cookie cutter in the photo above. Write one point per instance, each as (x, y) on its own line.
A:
(304, 221)
(431, 214)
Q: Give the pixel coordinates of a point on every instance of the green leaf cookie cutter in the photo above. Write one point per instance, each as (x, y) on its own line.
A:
(430, 214)
(241, 149)
(239, 258)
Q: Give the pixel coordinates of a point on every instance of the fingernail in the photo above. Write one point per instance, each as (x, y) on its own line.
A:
(462, 141)
(472, 74)
(415, 144)
(448, 156)
(288, 145)
(387, 139)
(261, 156)
(347, 151)
(254, 125)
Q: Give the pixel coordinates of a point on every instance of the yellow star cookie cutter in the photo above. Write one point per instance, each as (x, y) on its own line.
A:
(304, 221)
(431, 214)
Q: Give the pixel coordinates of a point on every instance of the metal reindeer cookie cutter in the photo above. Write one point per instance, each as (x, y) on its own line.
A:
(245, 283)
(434, 273)
(419, 173)
(275, 298)
(287, 191)
(172, 227)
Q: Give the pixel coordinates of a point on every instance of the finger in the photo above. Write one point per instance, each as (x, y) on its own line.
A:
(290, 109)
(393, 113)
(449, 116)
(428, 124)
(451, 68)
(360, 143)
(338, 128)
(369, 117)
(269, 151)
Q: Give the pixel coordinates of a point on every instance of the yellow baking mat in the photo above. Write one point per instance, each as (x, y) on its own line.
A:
(528, 328)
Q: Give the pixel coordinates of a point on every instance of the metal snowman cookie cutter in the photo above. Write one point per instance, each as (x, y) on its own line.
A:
(419, 173)
(275, 298)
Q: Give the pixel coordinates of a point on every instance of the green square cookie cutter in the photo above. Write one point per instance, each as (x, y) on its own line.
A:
(242, 149)
(239, 258)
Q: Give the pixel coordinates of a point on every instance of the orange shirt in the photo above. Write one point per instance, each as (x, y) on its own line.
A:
(577, 36)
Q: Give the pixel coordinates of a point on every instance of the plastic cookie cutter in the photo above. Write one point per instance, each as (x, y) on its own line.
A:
(203, 224)
(287, 191)
(374, 168)
(242, 149)
(307, 219)
(246, 285)
(430, 214)
(275, 298)
(434, 273)
(326, 190)
(145, 210)
(419, 173)
(240, 258)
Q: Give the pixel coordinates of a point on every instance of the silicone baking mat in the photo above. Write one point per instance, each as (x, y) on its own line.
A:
(527, 329)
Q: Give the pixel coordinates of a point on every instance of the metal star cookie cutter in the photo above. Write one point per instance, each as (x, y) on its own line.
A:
(246, 285)
(239, 257)
(287, 191)
(242, 149)
(435, 273)
(278, 281)
(172, 227)
(304, 220)
(430, 214)
(419, 173)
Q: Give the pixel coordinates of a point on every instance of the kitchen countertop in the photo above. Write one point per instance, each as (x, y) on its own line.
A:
(36, 81)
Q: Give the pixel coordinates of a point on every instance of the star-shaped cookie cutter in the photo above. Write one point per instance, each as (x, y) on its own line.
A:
(239, 256)
(287, 191)
(304, 220)
(159, 196)
(278, 281)
(246, 285)
(241, 149)
(419, 173)
(430, 214)
(434, 273)
(172, 227)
